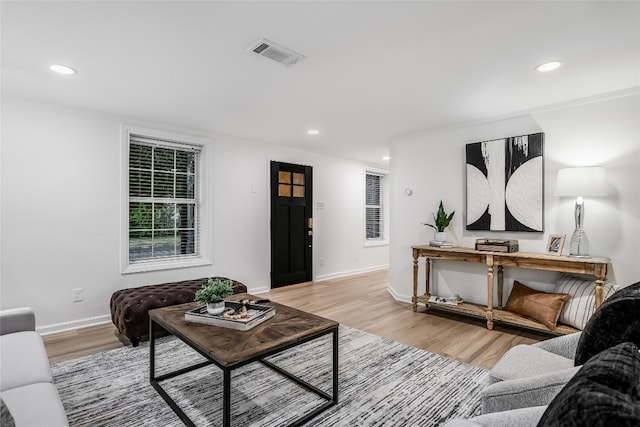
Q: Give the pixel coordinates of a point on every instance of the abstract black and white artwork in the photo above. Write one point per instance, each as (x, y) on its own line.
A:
(504, 184)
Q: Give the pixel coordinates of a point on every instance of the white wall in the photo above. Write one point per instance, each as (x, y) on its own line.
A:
(600, 132)
(60, 224)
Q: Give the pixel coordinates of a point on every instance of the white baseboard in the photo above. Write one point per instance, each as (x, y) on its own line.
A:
(260, 290)
(398, 297)
(324, 277)
(73, 325)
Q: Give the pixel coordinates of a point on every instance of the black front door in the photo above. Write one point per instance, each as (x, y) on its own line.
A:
(291, 224)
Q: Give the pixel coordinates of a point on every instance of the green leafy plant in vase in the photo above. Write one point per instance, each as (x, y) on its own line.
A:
(441, 222)
(213, 293)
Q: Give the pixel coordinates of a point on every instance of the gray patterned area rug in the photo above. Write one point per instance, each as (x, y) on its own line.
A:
(382, 383)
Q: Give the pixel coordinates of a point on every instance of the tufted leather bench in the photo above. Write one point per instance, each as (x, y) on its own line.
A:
(130, 307)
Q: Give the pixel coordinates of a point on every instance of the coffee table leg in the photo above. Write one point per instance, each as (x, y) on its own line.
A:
(155, 380)
(226, 399)
(335, 366)
(152, 352)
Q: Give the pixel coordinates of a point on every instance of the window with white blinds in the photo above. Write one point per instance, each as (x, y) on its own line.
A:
(164, 200)
(374, 220)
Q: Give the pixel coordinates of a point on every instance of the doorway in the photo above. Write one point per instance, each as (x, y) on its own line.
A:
(291, 223)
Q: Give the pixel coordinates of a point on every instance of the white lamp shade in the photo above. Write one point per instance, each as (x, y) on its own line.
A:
(584, 181)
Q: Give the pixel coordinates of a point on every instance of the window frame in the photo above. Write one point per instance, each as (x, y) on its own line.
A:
(202, 197)
(384, 207)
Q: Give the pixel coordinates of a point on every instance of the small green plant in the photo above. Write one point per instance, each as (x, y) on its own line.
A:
(214, 291)
(442, 220)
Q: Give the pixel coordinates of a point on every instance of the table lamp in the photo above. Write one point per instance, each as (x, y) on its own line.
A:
(580, 182)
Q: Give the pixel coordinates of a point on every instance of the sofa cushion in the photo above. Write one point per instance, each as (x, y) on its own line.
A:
(524, 361)
(19, 319)
(6, 419)
(537, 305)
(582, 298)
(605, 392)
(23, 360)
(614, 322)
(525, 392)
(563, 345)
(36, 405)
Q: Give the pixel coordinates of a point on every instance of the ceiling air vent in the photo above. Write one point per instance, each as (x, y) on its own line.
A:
(274, 51)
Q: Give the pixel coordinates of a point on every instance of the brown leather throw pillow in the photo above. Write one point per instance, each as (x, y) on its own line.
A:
(541, 306)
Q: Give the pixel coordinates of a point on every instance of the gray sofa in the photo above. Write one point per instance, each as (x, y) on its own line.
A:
(524, 381)
(530, 375)
(29, 397)
(587, 378)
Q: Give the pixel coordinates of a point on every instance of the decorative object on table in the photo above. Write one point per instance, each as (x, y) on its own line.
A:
(579, 183)
(439, 244)
(505, 184)
(241, 316)
(213, 293)
(454, 299)
(441, 222)
(555, 244)
(497, 245)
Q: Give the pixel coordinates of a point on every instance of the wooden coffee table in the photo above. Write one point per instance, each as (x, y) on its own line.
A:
(229, 349)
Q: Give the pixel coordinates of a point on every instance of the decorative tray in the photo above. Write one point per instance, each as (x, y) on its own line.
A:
(255, 314)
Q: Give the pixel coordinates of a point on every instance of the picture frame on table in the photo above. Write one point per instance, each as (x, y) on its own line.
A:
(555, 244)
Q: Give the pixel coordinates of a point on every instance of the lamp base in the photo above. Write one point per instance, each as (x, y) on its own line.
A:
(579, 246)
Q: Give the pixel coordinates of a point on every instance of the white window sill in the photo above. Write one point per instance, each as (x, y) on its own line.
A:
(156, 265)
(375, 242)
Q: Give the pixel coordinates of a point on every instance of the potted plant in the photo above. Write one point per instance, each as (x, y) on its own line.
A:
(213, 293)
(442, 221)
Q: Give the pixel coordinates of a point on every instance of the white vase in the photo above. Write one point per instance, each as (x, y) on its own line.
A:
(215, 307)
(440, 236)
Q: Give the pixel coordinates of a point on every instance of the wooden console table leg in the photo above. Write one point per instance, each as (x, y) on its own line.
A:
(415, 281)
(601, 273)
(599, 292)
(500, 285)
(489, 313)
(427, 277)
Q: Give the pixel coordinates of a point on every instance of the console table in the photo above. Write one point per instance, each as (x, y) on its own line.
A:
(596, 266)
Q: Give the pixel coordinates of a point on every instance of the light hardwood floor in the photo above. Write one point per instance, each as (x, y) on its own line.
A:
(361, 302)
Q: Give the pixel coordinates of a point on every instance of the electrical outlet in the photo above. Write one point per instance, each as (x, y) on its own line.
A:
(77, 295)
(321, 261)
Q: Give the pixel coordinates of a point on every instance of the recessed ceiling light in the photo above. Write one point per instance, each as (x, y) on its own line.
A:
(386, 158)
(313, 132)
(62, 69)
(549, 66)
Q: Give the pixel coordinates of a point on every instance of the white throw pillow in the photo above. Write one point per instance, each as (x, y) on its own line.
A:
(582, 298)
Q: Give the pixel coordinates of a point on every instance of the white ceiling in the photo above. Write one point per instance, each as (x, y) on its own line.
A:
(374, 70)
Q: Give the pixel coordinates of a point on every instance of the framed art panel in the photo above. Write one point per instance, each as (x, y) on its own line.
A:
(505, 184)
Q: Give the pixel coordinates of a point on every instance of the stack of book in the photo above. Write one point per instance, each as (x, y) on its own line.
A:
(438, 244)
